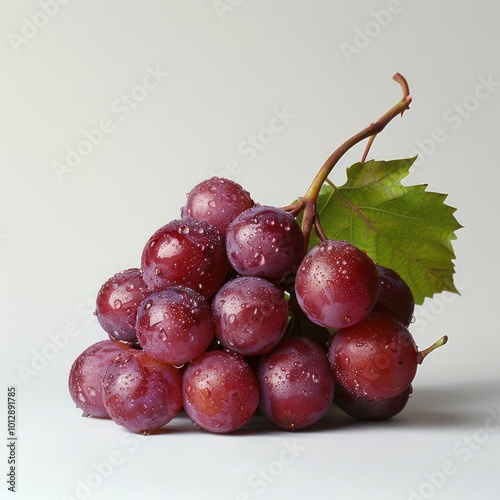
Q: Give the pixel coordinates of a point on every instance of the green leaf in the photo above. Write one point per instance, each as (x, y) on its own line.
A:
(402, 227)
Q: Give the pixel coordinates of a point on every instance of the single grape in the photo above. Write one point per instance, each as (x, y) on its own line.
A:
(375, 359)
(87, 372)
(217, 201)
(140, 393)
(395, 298)
(175, 325)
(366, 409)
(185, 252)
(220, 392)
(296, 383)
(117, 303)
(251, 315)
(264, 241)
(337, 284)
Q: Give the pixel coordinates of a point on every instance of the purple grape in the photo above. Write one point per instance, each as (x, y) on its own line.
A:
(296, 383)
(395, 298)
(366, 409)
(175, 325)
(220, 392)
(251, 315)
(375, 359)
(266, 242)
(87, 372)
(185, 252)
(140, 393)
(217, 201)
(337, 284)
(117, 303)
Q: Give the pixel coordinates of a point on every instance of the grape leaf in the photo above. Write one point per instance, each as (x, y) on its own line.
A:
(402, 227)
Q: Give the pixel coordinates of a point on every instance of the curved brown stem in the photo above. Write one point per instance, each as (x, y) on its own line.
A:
(308, 201)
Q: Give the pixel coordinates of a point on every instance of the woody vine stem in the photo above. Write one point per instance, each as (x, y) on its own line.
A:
(307, 203)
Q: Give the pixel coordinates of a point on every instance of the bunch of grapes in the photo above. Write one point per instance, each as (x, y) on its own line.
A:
(229, 315)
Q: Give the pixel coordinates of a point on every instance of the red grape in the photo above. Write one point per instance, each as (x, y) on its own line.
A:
(220, 392)
(185, 252)
(370, 409)
(264, 241)
(87, 372)
(337, 284)
(175, 325)
(117, 303)
(296, 384)
(140, 393)
(251, 315)
(217, 201)
(375, 359)
(395, 298)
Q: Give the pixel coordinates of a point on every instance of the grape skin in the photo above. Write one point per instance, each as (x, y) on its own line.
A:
(395, 298)
(175, 325)
(296, 384)
(337, 284)
(87, 372)
(140, 393)
(365, 409)
(117, 302)
(264, 241)
(220, 391)
(251, 315)
(217, 201)
(375, 359)
(185, 252)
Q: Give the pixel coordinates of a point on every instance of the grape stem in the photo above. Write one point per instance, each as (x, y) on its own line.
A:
(308, 202)
(422, 354)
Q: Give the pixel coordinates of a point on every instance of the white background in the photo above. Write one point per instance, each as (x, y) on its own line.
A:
(329, 66)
